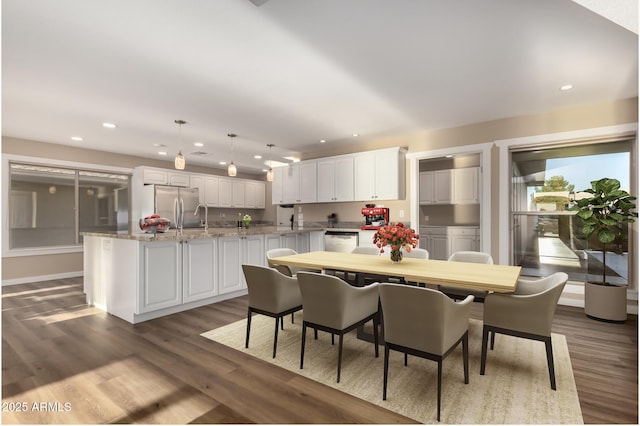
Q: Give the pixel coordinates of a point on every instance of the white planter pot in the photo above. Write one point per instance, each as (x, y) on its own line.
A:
(607, 303)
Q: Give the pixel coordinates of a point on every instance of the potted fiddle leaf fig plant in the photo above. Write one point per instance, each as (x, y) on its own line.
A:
(604, 217)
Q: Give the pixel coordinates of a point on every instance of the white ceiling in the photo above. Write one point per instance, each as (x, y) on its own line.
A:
(292, 72)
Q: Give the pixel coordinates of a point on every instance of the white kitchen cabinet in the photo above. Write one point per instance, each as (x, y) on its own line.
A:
(379, 175)
(336, 179)
(237, 193)
(426, 187)
(299, 183)
(154, 176)
(160, 276)
(225, 191)
(179, 179)
(450, 186)
(277, 194)
(211, 188)
(197, 181)
(466, 186)
(443, 241)
(199, 275)
(254, 194)
(176, 272)
(233, 253)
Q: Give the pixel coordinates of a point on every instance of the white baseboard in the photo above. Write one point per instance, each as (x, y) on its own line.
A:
(39, 278)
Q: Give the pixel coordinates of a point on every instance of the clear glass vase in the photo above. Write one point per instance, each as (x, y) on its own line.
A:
(396, 256)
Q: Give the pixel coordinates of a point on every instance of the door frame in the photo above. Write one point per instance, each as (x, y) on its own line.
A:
(505, 171)
(484, 150)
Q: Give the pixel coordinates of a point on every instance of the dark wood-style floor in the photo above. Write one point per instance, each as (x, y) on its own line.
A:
(56, 349)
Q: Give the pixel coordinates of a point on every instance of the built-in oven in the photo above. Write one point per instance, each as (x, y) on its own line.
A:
(340, 241)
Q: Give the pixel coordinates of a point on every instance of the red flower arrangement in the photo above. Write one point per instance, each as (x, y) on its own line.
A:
(396, 237)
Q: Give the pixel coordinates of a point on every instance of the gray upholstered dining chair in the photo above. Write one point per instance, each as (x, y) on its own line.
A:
(469, 257)
(285, 269)
(332, 305)
(528, 312)
(425, 323)
(417, 253)
(273, 294)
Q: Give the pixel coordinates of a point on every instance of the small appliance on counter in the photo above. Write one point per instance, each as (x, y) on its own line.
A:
(375, 217)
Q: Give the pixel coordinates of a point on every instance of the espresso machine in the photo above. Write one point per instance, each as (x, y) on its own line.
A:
(375, 217)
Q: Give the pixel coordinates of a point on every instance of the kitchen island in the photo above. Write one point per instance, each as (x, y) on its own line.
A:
(138, 277)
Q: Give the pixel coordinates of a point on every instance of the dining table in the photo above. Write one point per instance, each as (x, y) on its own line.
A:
(473, 276)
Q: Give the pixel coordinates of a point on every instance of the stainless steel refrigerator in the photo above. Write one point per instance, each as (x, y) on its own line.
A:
(174, 203)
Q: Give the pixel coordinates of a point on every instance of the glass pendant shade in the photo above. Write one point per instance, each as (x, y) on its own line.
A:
(270, 175)
(232, 170)
(179, 161)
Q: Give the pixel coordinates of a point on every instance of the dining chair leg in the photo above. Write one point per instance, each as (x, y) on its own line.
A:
(304, 337)
(339, 356)
(406, 359)
(315, 333)
(386, 372)
(292, 318)
(439, 386)
(483, 356)
(493, 339)
(376, 321)
(246, 342)
(281, 319)
(552, 374)
(333, 340)
(275, 336)
(465, 356)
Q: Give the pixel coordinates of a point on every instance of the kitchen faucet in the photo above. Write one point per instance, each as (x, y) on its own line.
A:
(206, 215)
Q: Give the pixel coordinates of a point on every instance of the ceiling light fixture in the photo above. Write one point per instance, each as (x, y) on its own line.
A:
(109, 125)
(566, 87)
(232, 170)
(323, 140)
(198, 144)
(76, 138)
(270, 170)
(180, 162)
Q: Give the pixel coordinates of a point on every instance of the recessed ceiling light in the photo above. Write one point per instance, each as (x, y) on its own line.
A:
(257, 157)
(109, 125)
(198, 144)
(76, 138)
(162, 153)
(323, 140)
(222, 163)
(566, 87)
(355, 135)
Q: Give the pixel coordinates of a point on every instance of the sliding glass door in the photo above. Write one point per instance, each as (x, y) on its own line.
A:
(545, 184)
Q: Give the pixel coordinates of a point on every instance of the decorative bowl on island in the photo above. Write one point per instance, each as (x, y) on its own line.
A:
(154, 223)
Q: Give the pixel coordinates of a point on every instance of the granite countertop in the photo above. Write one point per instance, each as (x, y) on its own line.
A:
(199, 233)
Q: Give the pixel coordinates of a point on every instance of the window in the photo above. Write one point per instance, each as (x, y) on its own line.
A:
(546, 233)
(50, 206)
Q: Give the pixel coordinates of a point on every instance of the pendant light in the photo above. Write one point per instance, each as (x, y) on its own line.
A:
(232, 170)
(270, 170)
(180, 161)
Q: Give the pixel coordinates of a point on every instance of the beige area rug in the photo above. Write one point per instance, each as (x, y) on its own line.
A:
(514, 390)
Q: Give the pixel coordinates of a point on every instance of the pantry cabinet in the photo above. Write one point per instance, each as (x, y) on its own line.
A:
(450, 186)
(443, 241)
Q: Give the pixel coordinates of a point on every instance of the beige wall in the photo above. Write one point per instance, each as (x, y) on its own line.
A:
(582, 117)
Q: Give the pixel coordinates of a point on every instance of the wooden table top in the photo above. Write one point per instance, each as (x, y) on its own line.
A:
(497, 278)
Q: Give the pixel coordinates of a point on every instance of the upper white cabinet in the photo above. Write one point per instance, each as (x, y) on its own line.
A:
(466, 188)
(225, 191)
(335, 179)
(299, 183)
(211, 188)
(197, 181)
(450, 186)
(254, 194)
(179, 179)
(379, 175)
(155, 176)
